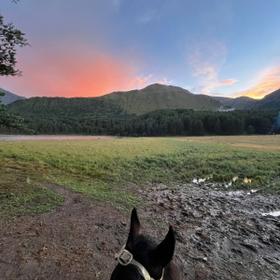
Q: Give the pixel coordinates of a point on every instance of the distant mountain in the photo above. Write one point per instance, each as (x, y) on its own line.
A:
(239, 103)
(154, 110)
(136, 102)
(9, 97)
(270, 101)
(158, 97)
(152, 98)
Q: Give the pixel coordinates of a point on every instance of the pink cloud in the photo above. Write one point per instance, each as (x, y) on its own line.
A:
(77, 72)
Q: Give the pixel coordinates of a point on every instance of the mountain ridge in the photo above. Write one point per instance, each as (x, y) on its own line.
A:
(9, 97)
(151, 98)
(159, 97)
(240, 103)
(270, 101)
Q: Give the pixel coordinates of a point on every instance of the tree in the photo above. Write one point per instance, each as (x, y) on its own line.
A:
(197, 127)
(1, 105)
(217, 127)
(10, 39)
(278, 123)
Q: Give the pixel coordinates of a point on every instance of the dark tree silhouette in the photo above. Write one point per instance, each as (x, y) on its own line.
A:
(10, 39)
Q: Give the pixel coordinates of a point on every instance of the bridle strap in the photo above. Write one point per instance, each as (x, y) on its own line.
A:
(144, 271)
(124, 257)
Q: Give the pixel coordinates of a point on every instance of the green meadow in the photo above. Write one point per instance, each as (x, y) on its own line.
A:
(110, 169)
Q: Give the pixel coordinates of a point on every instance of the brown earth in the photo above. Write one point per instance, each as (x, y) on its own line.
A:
(221, 235)
(75, 241)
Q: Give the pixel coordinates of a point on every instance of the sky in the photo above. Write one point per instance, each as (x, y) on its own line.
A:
(94, 47)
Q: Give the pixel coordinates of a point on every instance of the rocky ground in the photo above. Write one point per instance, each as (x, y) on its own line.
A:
(221, 235)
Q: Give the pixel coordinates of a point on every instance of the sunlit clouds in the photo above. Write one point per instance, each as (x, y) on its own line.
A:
(206, 61)
(265, 82)
(83, 73)
(91, 48)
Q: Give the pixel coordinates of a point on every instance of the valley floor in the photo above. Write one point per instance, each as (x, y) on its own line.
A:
(64, 205)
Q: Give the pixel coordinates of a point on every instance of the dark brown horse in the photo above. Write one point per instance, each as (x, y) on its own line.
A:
(142, 259)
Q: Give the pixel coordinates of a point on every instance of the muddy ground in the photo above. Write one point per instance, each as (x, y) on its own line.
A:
(221, 235)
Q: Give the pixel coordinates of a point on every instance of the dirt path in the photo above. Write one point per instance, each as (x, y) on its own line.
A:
(221, 235)
(76, 241)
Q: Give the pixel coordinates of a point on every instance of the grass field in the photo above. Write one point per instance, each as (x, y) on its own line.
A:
(103, 168)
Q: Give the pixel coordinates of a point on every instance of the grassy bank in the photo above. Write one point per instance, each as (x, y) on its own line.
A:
(21, 190)
(103, 168)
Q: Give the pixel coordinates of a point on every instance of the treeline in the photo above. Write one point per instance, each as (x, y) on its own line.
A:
(10, 123)
(185, 122)
(158, 123)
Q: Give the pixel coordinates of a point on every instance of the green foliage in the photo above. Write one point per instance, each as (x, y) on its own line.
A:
(101, 116)
(8, 121)
(277, 124)
(20, 190)
(10, 39)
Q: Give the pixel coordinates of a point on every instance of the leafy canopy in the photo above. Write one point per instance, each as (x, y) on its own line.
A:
(10, 39)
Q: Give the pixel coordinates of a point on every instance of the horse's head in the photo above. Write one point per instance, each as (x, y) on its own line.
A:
(141, 258)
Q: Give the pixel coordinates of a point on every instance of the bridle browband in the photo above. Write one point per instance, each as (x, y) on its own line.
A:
(124, 258)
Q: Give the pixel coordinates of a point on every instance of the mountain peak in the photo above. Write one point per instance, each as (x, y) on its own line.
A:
(155, 86)
(160, 97)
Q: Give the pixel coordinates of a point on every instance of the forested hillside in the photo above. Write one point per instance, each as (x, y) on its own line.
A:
(270, 102)
(93, 120)
(159, 97)
(154, 110)
(67, 115)
(239, 103)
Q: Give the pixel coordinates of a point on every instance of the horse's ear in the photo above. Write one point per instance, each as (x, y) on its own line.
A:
(164, 252)
(135, 228)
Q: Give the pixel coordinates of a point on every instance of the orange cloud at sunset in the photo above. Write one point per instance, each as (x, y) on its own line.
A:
(266, 82)
(81, 74)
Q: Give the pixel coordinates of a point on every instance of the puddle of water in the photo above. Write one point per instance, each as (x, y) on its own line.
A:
(273, 213)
